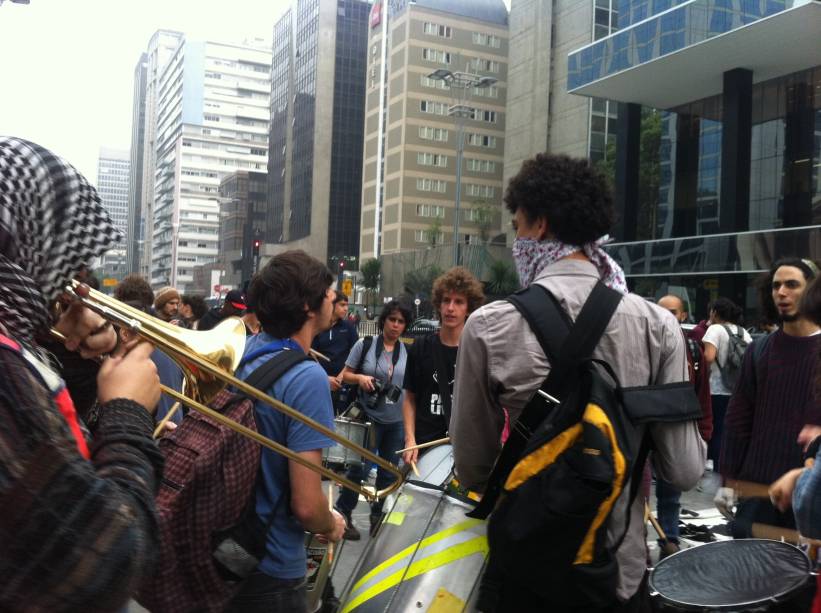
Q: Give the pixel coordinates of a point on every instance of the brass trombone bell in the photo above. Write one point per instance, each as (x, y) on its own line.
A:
(208, 360)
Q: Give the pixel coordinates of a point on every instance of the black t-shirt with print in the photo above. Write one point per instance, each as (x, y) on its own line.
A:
(420, 378)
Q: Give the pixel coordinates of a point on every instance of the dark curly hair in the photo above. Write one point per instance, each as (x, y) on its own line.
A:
(279, 293)
(135, 290)
(765, 284)
(569, 193)
(727, 310)
(460, 280)
(392, 307)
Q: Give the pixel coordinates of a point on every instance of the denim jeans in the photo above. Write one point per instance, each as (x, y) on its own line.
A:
(388, 439)
(719, 411)
(261, 593)
(668, 508)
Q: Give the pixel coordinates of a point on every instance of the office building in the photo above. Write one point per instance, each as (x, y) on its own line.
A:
(317, 117)
(113, 171)
(718, 157)
(243, 219)
(134, 232)
(212, 120)
(411, 133)
(162, 45)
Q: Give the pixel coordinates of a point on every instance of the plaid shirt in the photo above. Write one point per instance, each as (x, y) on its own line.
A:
(75, 535)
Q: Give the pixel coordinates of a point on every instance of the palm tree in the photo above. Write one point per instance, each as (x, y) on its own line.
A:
(503, 279)
(370, 270)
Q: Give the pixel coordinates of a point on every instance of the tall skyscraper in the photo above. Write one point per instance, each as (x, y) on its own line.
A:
(411, 135)
(162, 45)
(113, 168)
(317, 121)
(135, 181)
(212, 119)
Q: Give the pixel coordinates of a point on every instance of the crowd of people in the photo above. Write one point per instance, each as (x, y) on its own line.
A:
(80, 466)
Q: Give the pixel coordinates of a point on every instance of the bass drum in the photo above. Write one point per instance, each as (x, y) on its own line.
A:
(426, 553)
(739, 575)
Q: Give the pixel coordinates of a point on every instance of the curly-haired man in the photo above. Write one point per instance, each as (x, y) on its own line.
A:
(562, 212)
(432, 361)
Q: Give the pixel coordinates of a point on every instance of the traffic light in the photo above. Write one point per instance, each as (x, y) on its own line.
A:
(256, 245)
(341, 265)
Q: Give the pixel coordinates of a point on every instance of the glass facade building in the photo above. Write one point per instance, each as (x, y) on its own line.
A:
(317, 119)
(717, 169)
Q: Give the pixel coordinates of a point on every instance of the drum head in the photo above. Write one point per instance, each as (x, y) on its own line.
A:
(730, 575)
(435, 466)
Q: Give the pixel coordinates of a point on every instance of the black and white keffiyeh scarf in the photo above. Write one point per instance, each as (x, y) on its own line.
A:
(52, 225)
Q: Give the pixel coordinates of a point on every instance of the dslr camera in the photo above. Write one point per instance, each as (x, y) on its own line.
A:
(390, 392)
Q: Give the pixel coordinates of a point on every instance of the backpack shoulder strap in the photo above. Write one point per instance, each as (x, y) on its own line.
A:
(564, 347)
(757, 349)
(268, 373)
(366, 347)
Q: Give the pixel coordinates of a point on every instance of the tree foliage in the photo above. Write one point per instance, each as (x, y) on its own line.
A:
(370, 270)
(502, 279)
(649, 171)
(420, 282)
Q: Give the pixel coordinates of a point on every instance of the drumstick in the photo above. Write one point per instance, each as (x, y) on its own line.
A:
(331, 509)
(775, 533)
(315, 354)
(423, 445)
(161, 426)
(748, 489)
(415, 470)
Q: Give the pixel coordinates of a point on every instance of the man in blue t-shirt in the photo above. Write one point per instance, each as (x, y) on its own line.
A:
(293, 301)
(336, 344)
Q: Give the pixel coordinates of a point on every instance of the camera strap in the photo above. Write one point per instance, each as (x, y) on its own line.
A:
(380, 346)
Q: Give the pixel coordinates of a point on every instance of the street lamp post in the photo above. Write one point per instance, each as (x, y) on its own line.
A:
(460, 85)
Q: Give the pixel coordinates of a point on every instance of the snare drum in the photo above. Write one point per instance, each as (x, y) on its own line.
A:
(354, 431)
(738, 575)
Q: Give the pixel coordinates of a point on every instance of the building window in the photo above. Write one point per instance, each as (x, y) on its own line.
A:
(475, 165)
(426, 236)
(487, 40)
(436, 55)
(486, 92)
(479, 191)
(434, 83)
(432, 159)
(481, 140)
(488, 116)
(430, 133)
(431, 185)
(436, 108)
(486, 65)
(430, 210)
(434, 29)
(210, 118)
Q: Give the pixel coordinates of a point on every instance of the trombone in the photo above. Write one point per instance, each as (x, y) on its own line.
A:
(208, 360)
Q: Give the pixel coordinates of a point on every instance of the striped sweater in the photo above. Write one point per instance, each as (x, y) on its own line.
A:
(75, 535)
(773, 400)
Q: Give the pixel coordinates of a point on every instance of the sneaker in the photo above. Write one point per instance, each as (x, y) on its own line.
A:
(351, 533)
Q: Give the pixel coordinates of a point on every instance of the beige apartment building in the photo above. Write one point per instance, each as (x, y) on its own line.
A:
(411, 138)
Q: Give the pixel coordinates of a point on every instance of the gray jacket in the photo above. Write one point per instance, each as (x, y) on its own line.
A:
(501, 364)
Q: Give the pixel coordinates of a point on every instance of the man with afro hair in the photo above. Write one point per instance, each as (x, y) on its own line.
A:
(562, 211)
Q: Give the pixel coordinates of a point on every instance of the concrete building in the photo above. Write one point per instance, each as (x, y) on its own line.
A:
(244, 218)
(113, 171)
(410, 170)
(212, 120)
(718, 160)
(134, 232)
(541, 114)
(317, 117)
(162, 45)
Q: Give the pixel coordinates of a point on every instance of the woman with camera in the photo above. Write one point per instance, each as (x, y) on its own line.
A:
(377, 366)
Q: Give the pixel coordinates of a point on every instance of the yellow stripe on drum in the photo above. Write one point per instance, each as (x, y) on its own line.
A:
(419, 567)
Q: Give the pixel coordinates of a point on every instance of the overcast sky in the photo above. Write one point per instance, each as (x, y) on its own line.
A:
(67, 66)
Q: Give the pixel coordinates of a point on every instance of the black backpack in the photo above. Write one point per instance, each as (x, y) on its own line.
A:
(731, 370)
(570, 455)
